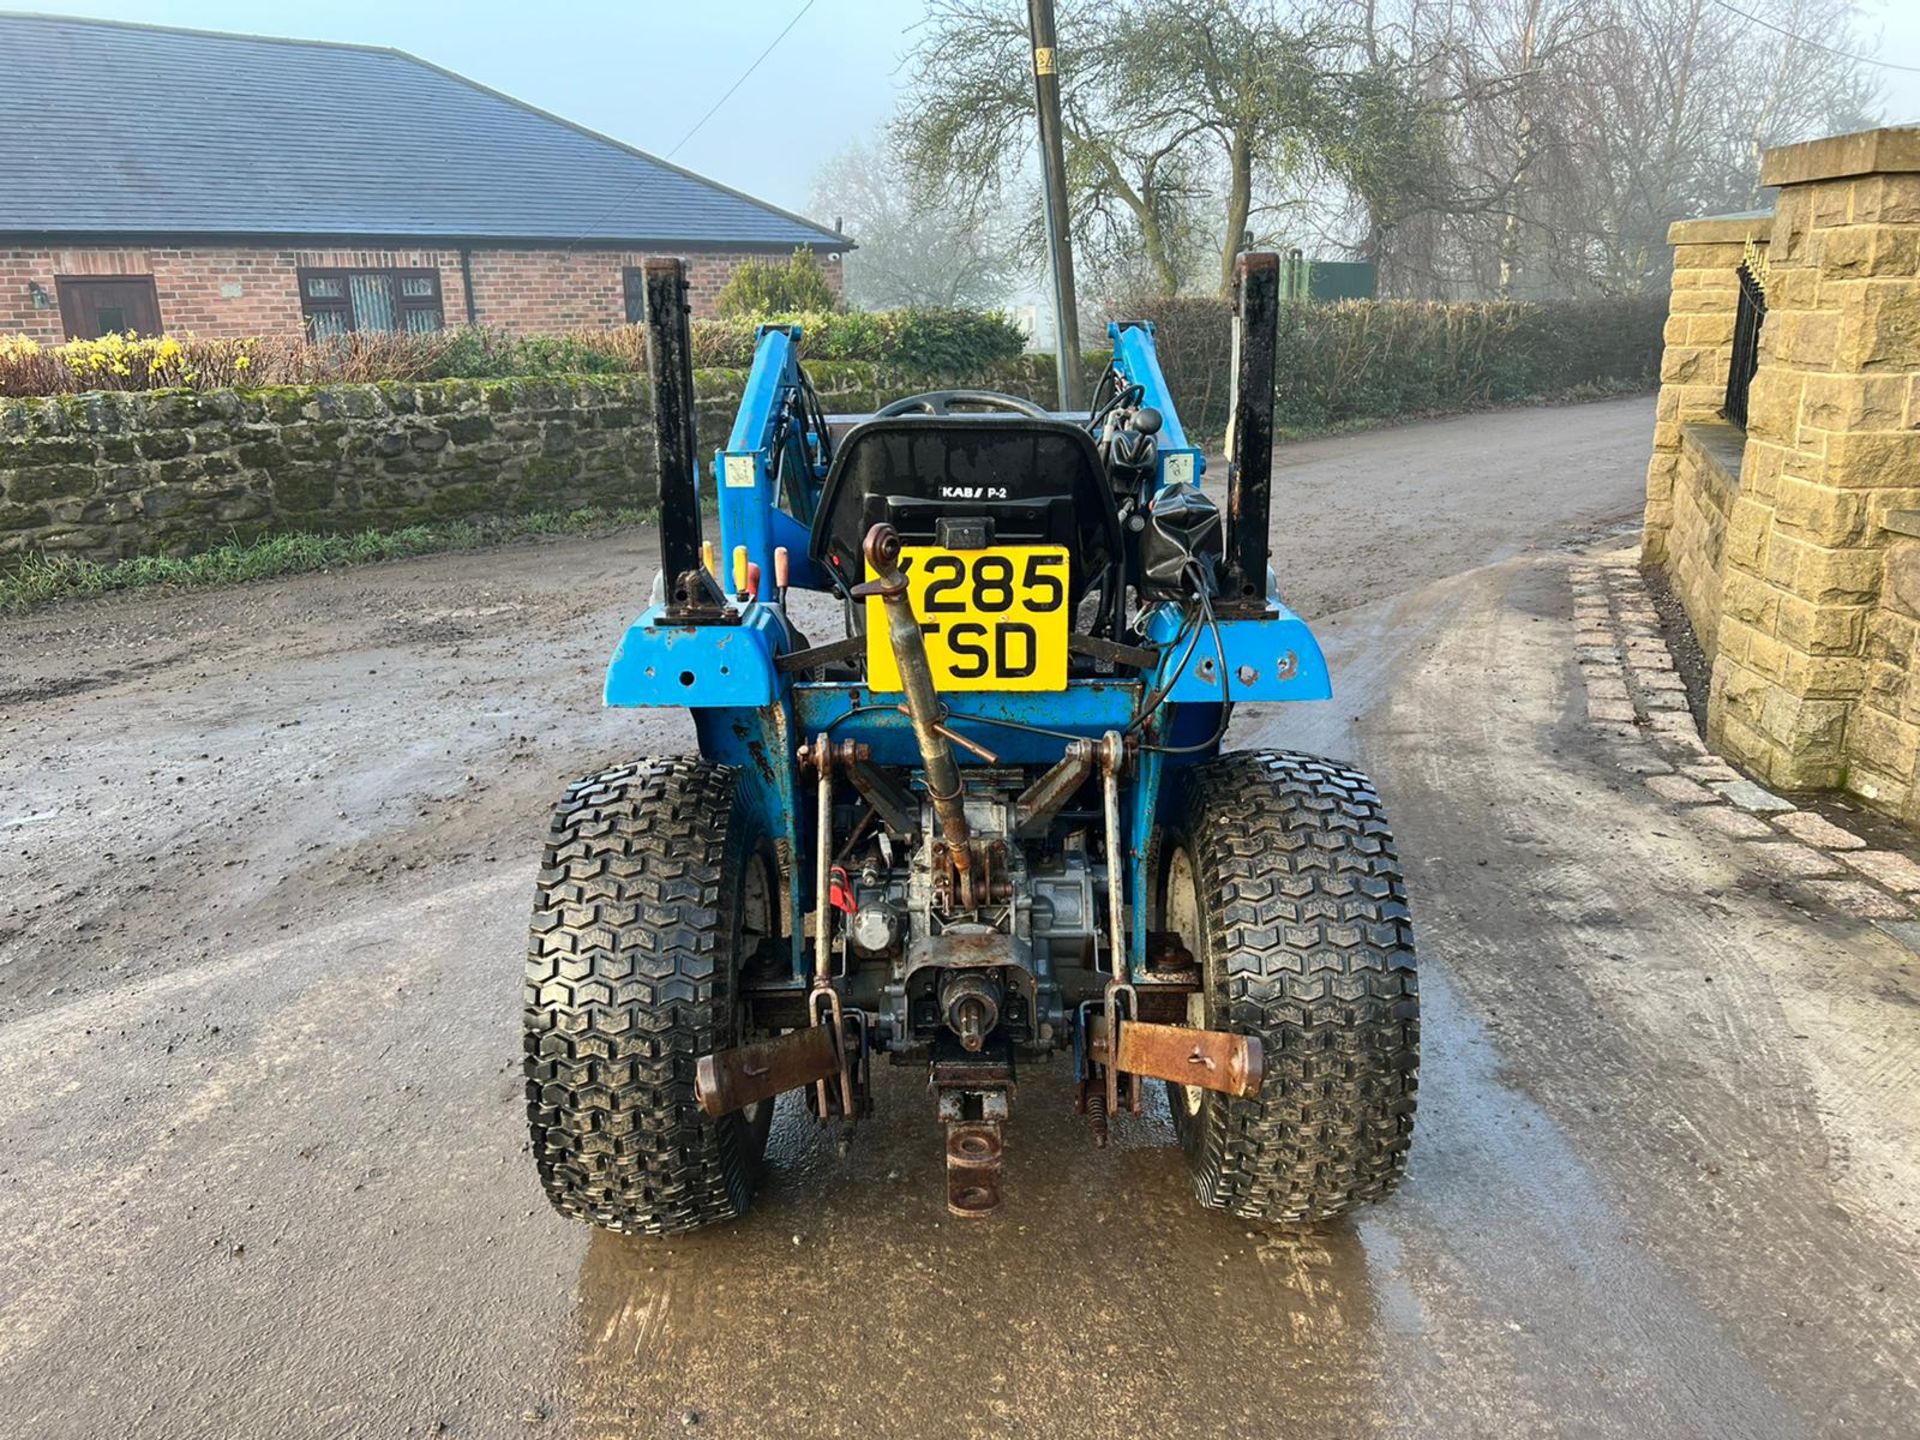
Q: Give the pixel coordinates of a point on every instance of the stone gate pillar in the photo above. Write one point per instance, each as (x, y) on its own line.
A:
(1815, 646)
(1697, 345)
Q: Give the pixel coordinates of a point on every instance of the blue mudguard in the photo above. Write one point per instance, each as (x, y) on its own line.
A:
(697, 667)
(1276, 658)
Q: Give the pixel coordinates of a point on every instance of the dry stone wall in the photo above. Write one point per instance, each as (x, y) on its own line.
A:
(111, 475)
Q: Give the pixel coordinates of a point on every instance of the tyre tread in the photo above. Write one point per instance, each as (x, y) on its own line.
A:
(629, 980)
(1306, 910)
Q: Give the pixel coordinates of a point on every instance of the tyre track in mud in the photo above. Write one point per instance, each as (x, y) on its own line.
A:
(1663, 1007)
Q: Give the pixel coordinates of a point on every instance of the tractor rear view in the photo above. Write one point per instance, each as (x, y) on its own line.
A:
(990, 824)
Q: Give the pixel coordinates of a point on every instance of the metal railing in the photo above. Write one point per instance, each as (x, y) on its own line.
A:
(1748, 317)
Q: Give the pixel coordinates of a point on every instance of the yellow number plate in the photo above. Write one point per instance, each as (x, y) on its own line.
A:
(994, 619)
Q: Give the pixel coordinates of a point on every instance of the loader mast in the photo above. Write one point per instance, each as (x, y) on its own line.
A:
(692, 594)
(1066, 314)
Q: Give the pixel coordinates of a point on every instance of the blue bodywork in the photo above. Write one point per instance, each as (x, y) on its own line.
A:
(751, 715)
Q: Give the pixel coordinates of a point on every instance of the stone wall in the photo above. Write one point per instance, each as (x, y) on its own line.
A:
(1813, 631)
(228, 290)
(1694, 476)
(1706, 483)
(110, 475)
(1880, 737)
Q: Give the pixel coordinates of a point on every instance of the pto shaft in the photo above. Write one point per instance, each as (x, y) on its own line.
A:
(923, 700)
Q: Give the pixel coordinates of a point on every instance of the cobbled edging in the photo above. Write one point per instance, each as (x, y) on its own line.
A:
(1634, 695)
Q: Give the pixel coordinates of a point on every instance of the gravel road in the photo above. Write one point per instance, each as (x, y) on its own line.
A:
(265, 856)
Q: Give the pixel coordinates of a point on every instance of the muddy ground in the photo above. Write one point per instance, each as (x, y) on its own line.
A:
(264, 862)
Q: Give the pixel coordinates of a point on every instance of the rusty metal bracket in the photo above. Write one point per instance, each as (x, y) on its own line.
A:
(1211, 1059)
(1137, 657)
(1180, 1054)
(819, 657)
(1042, 800)
(730, 1080)
(893, 805)
(974, 1152)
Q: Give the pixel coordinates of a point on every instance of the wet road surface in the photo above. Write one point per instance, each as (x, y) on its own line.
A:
(264, 864)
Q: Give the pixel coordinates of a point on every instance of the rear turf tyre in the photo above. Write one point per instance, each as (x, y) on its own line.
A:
(656, 884)
(1282, 880)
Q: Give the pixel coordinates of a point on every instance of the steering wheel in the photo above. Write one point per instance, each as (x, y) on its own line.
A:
(943, 402)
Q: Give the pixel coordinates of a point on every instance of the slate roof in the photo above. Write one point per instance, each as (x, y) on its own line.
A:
(110, 129)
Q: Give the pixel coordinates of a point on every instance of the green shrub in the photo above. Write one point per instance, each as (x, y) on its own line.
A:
(761, 288)
(934, 342)
(1376, 359)
(929, 341)
(477, 354)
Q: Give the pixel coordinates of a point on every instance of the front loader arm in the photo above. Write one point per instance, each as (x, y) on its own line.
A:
(775, 434)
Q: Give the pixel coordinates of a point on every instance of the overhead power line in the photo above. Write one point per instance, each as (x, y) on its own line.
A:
(634, 188)
(742, 80)
(1815, 44)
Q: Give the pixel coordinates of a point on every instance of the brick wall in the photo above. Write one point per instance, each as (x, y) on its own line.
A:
(255, 291)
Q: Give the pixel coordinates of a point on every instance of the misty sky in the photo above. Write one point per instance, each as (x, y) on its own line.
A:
(646, 70)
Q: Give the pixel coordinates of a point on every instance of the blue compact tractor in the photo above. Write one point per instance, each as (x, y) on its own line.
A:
(988, 825)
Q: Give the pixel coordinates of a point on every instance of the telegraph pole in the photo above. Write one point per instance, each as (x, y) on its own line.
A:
(1066, 315)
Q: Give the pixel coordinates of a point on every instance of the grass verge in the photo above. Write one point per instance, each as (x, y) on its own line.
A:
(41, 579)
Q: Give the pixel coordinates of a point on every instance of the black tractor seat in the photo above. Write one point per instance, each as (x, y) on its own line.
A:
(1035, 480)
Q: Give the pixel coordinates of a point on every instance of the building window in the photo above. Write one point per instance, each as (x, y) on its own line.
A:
(96, 305)
(633, 281)
(336, 302)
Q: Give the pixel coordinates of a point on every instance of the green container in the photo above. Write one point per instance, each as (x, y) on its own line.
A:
(1325, 281)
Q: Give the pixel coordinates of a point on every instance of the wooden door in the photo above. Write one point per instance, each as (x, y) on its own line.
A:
(92, 306)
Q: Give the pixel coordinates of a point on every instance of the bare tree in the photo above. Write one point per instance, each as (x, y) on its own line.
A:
(1466, 147)
(968, 124)
(1674, 105)
(916, 245)
(1577, 130)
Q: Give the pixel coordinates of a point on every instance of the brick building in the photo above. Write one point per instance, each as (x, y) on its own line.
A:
(162, 179)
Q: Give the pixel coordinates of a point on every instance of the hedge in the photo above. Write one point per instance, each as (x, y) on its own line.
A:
(1357, 360)
(1379, 359)
(933, 342)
